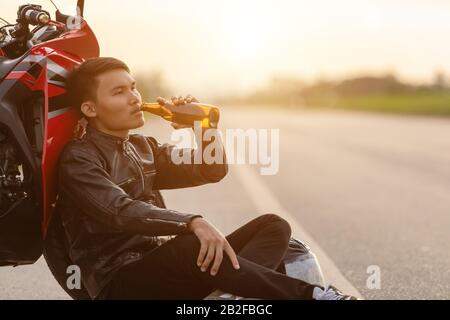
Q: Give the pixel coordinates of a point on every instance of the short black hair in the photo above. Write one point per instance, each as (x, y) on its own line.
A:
(81, 82)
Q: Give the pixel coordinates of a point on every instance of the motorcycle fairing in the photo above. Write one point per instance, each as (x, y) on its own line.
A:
(37, 118)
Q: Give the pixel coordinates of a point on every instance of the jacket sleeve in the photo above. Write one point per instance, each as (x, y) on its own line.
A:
(172, 175)
(83, 179)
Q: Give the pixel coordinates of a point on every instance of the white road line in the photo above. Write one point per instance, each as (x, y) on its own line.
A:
(266, 202)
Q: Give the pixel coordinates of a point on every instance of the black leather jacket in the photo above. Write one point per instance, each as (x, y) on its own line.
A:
(106, 200)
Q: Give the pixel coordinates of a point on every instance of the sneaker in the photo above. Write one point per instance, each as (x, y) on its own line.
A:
(331, 293)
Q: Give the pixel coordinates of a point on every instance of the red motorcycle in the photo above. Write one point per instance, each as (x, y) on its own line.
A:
(36, 121)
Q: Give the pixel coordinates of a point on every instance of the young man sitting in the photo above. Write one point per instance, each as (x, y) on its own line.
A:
(116, 233)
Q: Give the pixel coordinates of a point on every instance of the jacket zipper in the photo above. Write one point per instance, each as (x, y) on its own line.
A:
(178, 223)
(129, 180)
(137, 165)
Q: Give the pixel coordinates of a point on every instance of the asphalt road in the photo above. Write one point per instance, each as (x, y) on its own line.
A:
(369, 189)
(372, 190)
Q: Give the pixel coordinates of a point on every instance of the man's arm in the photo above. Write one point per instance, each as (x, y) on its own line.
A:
(83, 179)
(171, 175)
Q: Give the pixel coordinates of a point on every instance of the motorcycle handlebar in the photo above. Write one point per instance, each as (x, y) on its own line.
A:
(36, 17)
(32, 14)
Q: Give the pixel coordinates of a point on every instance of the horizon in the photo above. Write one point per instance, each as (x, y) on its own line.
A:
(207, 48)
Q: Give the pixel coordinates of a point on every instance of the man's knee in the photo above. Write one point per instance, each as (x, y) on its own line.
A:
(188, 245)
(281, 223)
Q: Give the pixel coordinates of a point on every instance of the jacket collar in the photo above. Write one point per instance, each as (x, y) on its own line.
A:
(97, 135)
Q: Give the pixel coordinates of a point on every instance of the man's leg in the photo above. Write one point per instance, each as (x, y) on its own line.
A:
(264, 240)
(171, 272)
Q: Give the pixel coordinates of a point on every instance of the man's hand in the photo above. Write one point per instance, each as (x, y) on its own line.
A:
(177, 101)
(213, 244)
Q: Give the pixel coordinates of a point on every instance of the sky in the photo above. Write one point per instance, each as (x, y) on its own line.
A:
(217, 47)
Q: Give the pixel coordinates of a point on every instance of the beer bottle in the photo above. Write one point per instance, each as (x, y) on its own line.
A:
(186, 114)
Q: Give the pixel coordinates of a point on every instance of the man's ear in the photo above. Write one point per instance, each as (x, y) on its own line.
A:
(88, 109)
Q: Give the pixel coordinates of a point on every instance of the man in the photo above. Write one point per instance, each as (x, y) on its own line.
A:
(115, 231)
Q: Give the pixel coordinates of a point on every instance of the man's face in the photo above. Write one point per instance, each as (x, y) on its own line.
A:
(118, 102)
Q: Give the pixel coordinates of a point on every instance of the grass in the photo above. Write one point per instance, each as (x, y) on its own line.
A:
(429, 103)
